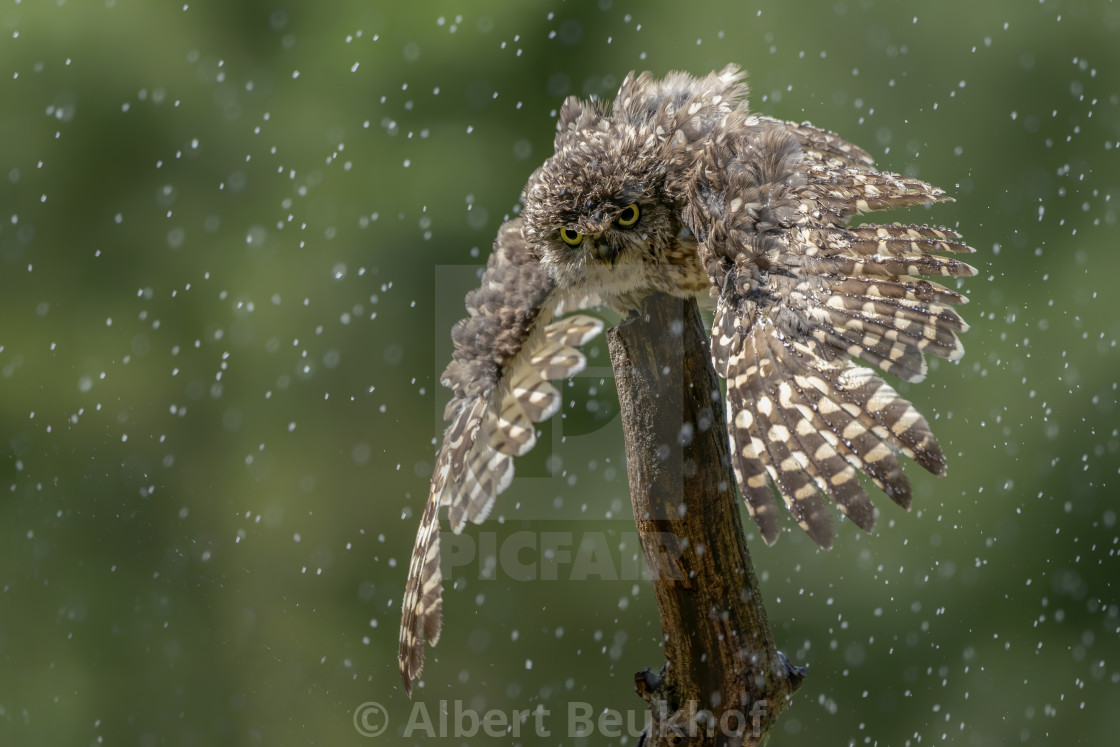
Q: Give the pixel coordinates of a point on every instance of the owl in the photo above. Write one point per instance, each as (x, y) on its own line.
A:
(677, 187)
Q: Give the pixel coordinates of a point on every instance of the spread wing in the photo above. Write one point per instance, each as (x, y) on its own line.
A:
(801, 295)
(506, 352)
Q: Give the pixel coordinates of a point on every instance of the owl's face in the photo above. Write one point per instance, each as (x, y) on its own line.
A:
(597, 213)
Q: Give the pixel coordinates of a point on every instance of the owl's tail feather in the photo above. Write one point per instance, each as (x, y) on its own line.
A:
(847, 427)
(804, 419)
(858, 189)
(892, 419)
(832, 457)
(762, 432)
(750, 457)
(422, 605)
(877, 265)
(475, 464)
(897, 239)
(421, 620)
(910, 292)
(876, 307)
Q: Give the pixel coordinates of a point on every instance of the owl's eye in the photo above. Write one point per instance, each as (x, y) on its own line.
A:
(628, 216)
(571, 236)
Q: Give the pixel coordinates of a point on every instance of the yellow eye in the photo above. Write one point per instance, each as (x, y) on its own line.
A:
(628, 216)
(571, 236)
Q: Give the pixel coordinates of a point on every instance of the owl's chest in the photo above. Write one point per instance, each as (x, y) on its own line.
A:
(680, 269)
(673, 268)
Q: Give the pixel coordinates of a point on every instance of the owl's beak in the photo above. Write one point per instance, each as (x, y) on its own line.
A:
(606, 252)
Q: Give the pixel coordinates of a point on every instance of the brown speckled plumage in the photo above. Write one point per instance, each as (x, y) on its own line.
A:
(677, 187)
(496, 328)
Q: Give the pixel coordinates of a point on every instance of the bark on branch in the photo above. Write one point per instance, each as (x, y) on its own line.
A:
(723, 681)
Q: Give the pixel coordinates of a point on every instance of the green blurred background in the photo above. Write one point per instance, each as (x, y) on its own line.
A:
(233, 236)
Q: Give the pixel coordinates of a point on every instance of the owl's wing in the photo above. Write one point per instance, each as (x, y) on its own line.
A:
(802, 294)
(506, 352)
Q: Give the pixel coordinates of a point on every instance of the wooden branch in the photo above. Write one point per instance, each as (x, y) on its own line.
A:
(724, 682)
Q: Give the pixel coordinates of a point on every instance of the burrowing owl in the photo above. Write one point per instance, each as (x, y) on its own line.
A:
(678, 187)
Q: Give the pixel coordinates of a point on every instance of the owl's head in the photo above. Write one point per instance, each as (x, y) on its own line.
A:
(605, 205)
(598, 205)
